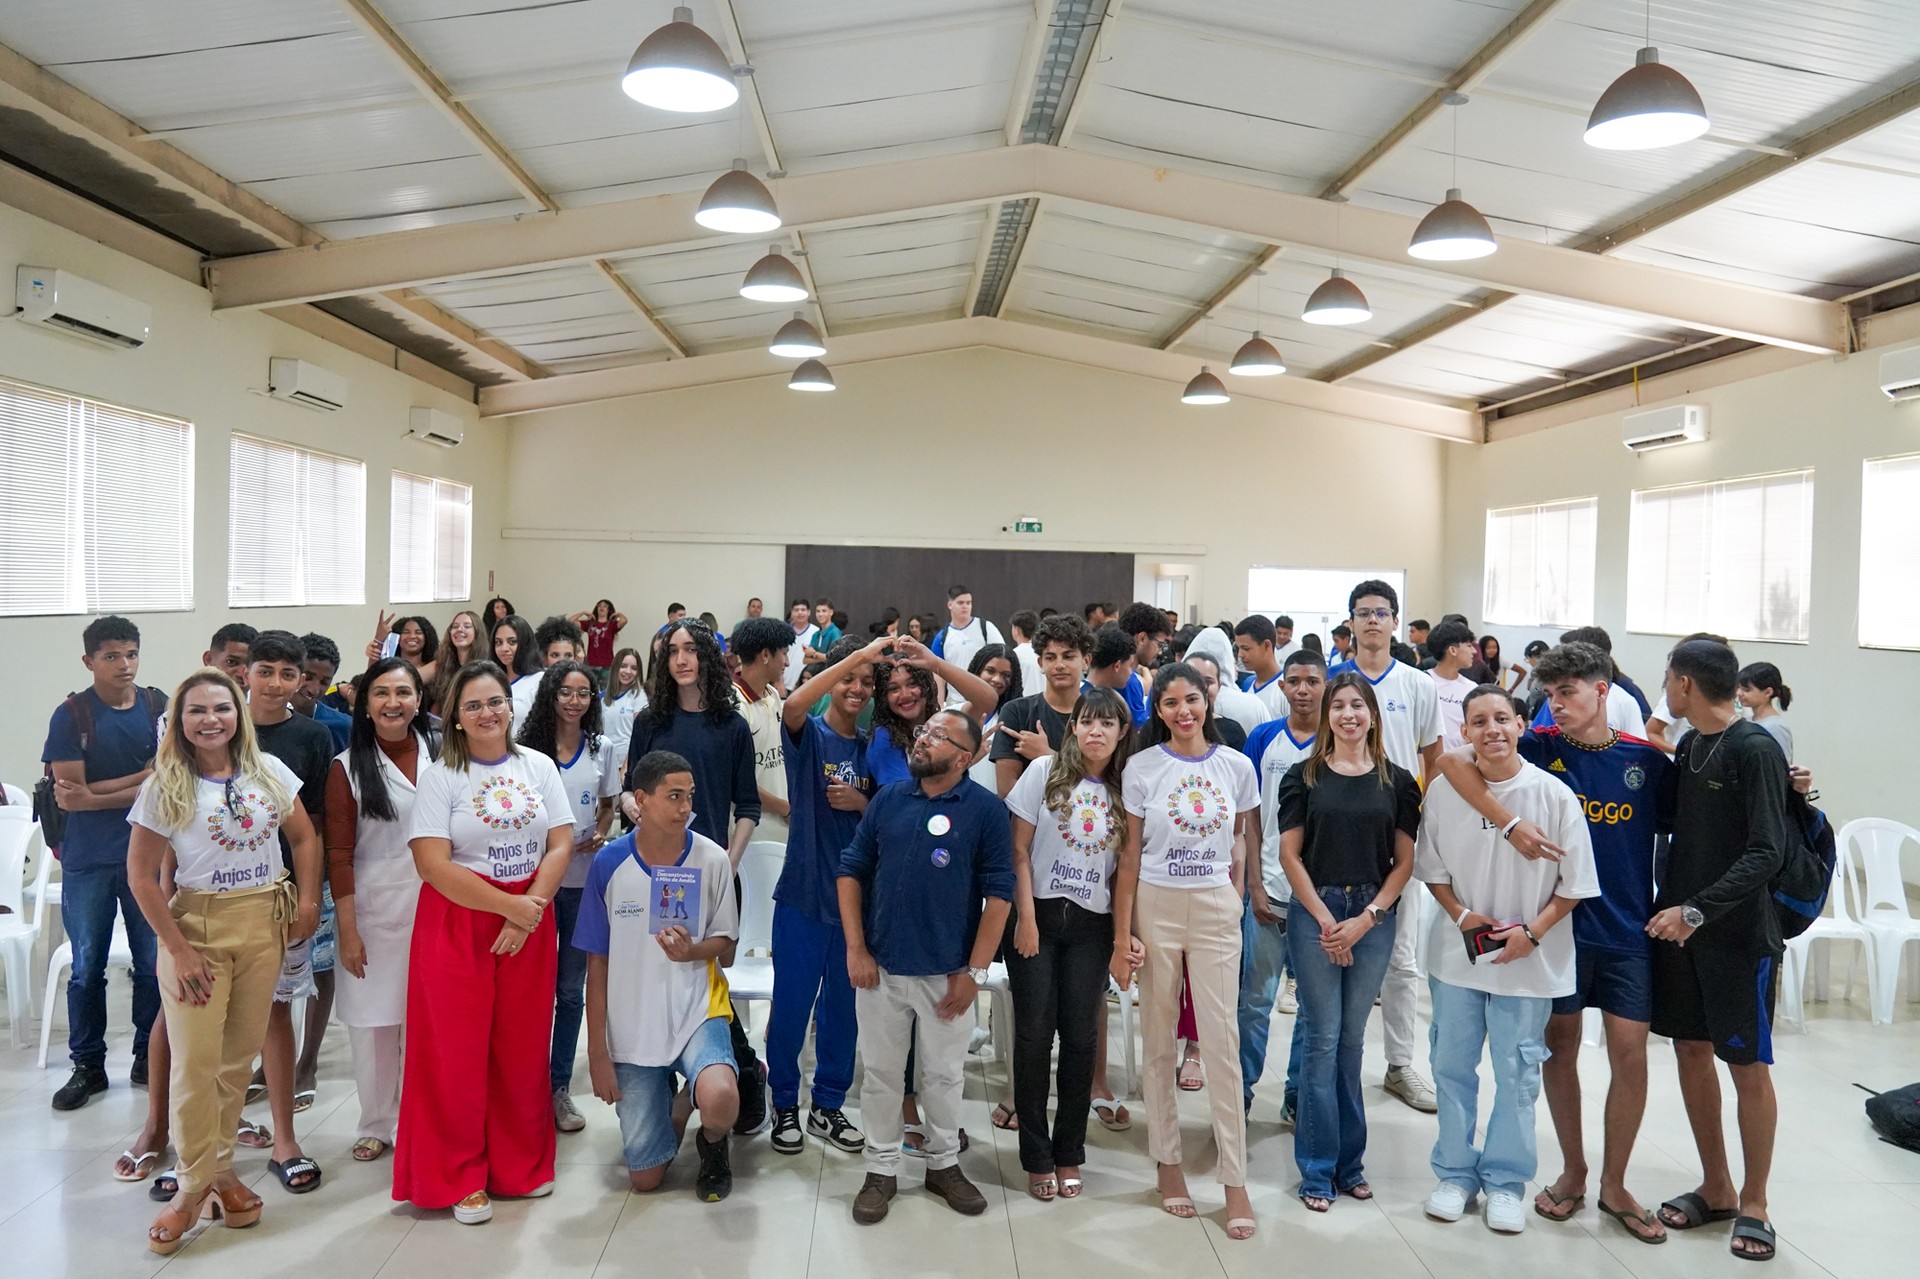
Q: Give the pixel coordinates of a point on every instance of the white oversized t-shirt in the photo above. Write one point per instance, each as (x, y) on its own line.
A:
(1073, 851)
(1187, 809)
(1453, 707)
(222, 849)
(1457, 846)
(496, 815)
(588, 778)
(1409, 711)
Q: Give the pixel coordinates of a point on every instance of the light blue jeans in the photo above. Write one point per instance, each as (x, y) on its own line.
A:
(1263, 961)
(1330, 1129)
(1512, 1030)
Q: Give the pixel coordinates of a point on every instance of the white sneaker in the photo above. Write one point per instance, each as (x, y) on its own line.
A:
(978, 1040)
(1448, 1202)
(1289, 999)
(566, 1116)
(1505, 1213)
(1410, 1086)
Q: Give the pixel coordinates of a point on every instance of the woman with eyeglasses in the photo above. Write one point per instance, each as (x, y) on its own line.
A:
(369, 819)
(492, 834)
(564, 725)
(217, 803)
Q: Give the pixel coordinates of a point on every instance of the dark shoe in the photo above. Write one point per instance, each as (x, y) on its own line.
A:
(138, 1075)
(787, 1138)
(961, 1195)
(834, 1128)
(80, 1087)
(870, 1205)
(714, 1181)
(753, 1100)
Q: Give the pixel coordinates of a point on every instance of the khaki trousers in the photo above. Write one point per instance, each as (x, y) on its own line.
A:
(1202, 927)
(241, 936)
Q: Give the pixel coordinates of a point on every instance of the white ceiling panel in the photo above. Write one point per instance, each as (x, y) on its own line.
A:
(777, 22)
(71, 32)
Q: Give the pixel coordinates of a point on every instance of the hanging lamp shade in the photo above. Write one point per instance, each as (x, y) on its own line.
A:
(811, 376)
(680, 68)
(1651, 105)
(797, 340)
(1257, 357)
(774, 278)
(1338, 300)
(1452, 231)
(1204, 389)
(738, 203)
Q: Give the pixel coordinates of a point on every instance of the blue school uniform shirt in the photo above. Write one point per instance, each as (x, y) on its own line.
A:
(338, 726)
(923, 885)
(817, 833)
(123, 743)
(1620, 790)
(1135, 696)
(887, 758)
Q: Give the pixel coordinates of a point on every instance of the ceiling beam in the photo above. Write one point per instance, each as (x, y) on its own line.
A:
(1206, 309)
(853, 349)
(969, 179)
(1464, 78)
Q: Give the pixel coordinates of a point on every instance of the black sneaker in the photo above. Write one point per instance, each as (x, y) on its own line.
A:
(714, 1181)
(138, 1075)
(834, 1128)
(787, 1138)
(80, 1087)
(753, 1100)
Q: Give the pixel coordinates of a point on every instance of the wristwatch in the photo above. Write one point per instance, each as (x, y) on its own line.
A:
(1378, 912)
(979, 976)
(1691, 916)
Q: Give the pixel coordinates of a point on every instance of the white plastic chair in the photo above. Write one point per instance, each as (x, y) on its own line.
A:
(750, 980)
(19, 931)
(119, 955)
(1883, 904)
(1843, 925)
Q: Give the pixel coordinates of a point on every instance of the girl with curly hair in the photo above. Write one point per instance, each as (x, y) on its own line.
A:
(906, 695)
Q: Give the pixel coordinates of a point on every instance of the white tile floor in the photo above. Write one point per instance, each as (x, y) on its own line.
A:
(1846, 1205)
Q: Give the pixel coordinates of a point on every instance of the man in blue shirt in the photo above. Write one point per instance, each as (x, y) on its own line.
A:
(100, 745)
(828, 786)
(929, 849)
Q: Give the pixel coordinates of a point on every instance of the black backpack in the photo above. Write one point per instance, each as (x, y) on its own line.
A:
(1895, 1115)
(46, 810)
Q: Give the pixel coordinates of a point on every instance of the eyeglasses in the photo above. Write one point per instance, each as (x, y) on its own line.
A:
(933, 736)
(491, 704)
(574, 695)
(1372, 614)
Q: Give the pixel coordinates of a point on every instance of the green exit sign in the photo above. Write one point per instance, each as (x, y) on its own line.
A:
(1026, 526)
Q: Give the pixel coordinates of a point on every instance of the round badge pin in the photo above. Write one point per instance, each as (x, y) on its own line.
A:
(942, 858)
(939, 824)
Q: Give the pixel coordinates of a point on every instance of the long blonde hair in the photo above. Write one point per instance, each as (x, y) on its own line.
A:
(1070, 766)
(176, 771)
(1323, 741)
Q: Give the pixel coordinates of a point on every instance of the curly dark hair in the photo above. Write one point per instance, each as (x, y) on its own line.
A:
(1065, 630)
(756, 635)
(430, 638)
(1005, 653)
(540, 729)
(883, 713)
(717, 697)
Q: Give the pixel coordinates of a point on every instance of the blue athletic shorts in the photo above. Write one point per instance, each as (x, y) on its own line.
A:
(1613, 981)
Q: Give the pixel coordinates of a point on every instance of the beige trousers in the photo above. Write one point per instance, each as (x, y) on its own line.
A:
(242, 936)
(1201, 926)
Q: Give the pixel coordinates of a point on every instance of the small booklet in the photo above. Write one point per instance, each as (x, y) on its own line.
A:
(675, 902)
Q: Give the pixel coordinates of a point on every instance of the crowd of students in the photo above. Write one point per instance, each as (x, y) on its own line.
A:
(1216, 814)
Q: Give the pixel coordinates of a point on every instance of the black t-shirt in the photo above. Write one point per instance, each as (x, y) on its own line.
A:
(725, 785)
(1729, 836)
(305, 746)
(1027, 714)
(1350, 822)
(1232, 733)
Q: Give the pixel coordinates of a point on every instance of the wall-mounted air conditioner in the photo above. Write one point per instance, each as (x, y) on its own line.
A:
(1900, 374)
(1664, 428)
(434, 426)
(64, 301)
(307, 384)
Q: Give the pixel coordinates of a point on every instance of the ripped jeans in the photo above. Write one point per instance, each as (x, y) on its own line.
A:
(1512, 1030)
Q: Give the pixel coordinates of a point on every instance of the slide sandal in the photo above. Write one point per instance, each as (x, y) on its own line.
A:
(165, 1186)
(1178, 1206)
(1754, 1230)
(1693, 1211)
(298, 1166)
(1243, 1225)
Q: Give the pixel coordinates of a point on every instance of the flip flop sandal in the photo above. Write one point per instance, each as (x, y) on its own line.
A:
(165, 1186)
(297, 1166)
(1695, 1212)
(368, 1149)
(1004, 1117)
(253, 1136)
(303, 1100)
(1627, 1220)
(1045, 1190)
(1757, 1231)
(1566, 1205)
(255, 1092)
(1113, 1115)
(142, 1166)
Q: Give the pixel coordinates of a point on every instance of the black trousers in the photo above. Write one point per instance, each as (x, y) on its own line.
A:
(1060, 991)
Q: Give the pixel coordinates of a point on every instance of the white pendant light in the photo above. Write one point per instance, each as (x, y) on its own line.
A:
(1338, 300)
(797, 340)
(1256, 357)
(738, 203)
(774, 278)
(1650, 106)
(811, 376)
(1453, 230)
(1204, 389)
(680, 68)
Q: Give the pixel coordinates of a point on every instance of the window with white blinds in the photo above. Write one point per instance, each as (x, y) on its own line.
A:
(296, 526)
(98, 516)
(432, 551)
(1539, 565)
(1734, 557)
(1890, 553)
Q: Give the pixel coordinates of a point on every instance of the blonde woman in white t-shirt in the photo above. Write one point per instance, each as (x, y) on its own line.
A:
(1193, 810)
(1068, 826)
(218, 803)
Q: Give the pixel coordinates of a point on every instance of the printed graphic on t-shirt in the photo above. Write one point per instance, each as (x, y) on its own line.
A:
(1086, 828)
(244, 828)
(844, 773)
(505, 803)
(1197, 809)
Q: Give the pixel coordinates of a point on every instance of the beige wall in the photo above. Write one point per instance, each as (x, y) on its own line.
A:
(692, 495)
(1852, 705)
(212, 370)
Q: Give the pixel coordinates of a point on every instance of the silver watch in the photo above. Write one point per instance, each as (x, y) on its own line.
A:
(1690, 914)
(979, 976)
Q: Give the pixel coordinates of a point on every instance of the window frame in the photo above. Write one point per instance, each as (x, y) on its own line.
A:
(1711, 551)
(1866, 570)
(1487, 613)
(304, 571)
(434, 486)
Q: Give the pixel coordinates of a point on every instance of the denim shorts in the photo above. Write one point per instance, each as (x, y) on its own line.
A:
(645, 1107)
(1613, 981)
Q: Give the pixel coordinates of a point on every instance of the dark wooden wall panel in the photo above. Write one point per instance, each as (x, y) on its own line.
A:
(862, 581)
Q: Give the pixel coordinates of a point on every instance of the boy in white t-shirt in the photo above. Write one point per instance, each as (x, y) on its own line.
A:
(657, 1000)
(1454, 650)
(1497, 999)
(763, 647)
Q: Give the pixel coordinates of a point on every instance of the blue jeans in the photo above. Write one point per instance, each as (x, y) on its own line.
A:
(88, 896)
(1263, 961)
(1512, 1029)
(810, 983)
(569, 990)
(1330, 1128)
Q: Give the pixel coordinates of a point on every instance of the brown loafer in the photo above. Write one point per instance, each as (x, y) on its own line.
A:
(961, 1195)
(870, 1205)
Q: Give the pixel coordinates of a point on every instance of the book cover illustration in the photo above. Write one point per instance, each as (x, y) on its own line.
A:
(675, 900)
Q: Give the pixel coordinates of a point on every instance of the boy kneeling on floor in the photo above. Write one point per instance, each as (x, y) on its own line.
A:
(658, 921)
